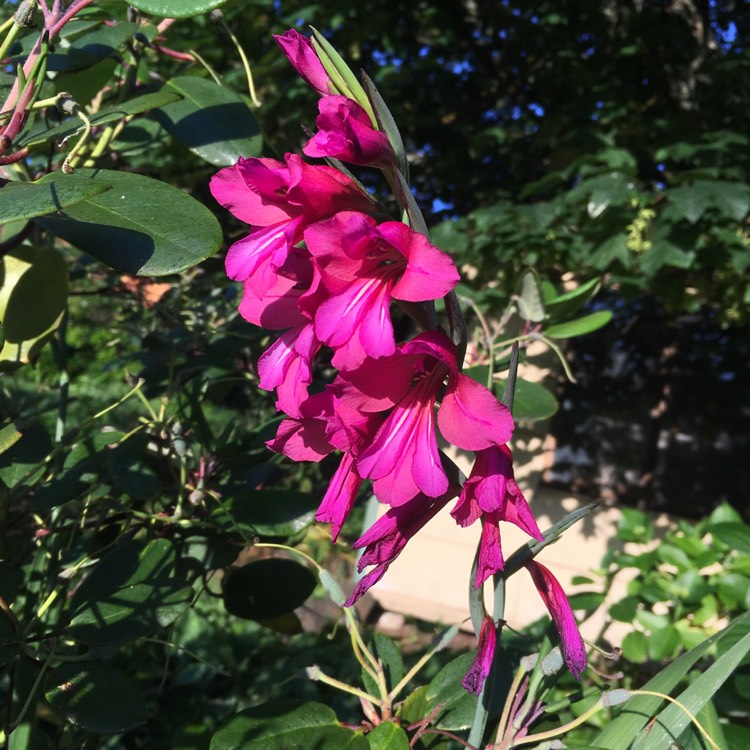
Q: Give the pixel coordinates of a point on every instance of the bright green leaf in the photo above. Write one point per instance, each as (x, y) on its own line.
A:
(634, 647)
(561, 306)
(176, 8)
(286, 724)
(735, 535)
(212, 121)
(579, 326)
(458, 706)
(19, 462)
(33, 295)
(74, 126)
(529, 301)
(662, 644)
(26, 200)
(140, 226)
(532, 402)
(388, 736)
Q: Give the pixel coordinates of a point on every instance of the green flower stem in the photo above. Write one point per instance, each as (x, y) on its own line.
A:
(363, 655)
(315, 674)
(245, 63)
(692, 716)
(32, 692)
(10, 37)
(552, 733)
(505, 716)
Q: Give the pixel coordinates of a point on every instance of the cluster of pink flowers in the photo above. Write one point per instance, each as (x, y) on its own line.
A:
(323, 265)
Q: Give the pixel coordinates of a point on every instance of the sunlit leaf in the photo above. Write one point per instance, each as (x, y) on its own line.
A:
(25, 200)
(212, 121)
(140, 226)
(285, 724)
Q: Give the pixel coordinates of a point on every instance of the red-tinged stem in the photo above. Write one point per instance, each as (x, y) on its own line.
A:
(74, 8)
(14, 157)
(174, 54)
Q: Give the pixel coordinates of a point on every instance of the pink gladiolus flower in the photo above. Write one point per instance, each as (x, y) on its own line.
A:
(491, 493)
(571, 643)
(281, 200)
(345, 132)
(480, 668)
(363, 266)
(301, 54)
(386, 538)
(287, 366)
(403, 457)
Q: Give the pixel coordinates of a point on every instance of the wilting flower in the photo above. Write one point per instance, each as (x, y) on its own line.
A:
(384, 541)
(491, 493)
(363, 266)
(553, 596)
(480, 668)
(301, 54)
(345, 132)
(403, 457)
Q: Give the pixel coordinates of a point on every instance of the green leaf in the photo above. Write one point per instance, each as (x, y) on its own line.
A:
(131, 612)
(458, 706)
(26, 200)
(74, 126)
(673, 720)
(624, 610)
(531, 403)
(735, 535)
(140, 226)
(390, 657)
(176, 8)
(33, 297)
(665, 253)
(9, 436)
(663, 644)
(388, 736)
(267, 588)
(28, 451)
(579, 326)
(387, 124)
(691, 201)
(285, 725)
(529, 300)
(634, 647)
(128, 563)
(731, 198)
(270, 512)
(638, 712)
(212, 121)
(96, 697)
(561, 306)
(129, 471)
(90, 48)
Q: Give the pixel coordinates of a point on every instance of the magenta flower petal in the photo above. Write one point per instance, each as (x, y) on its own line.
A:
(429, 273)
(571, 643)
(471, 418)
(345, 132)
(253, 190)
(340, 496)
(480, 668)
(301, 54)
(490, 551)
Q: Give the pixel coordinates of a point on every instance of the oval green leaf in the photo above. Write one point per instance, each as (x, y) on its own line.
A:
(176, 8)
(33, 295)
(26, 200)
(285, 724)
(579, 326)
(735, 535)
(266, 589)
(212, 121)
(96, 697)
(271, 512)
(564, 305)
(140, 226)
(531, 403)
(130, 612)
(388, 736)
(458, 706)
